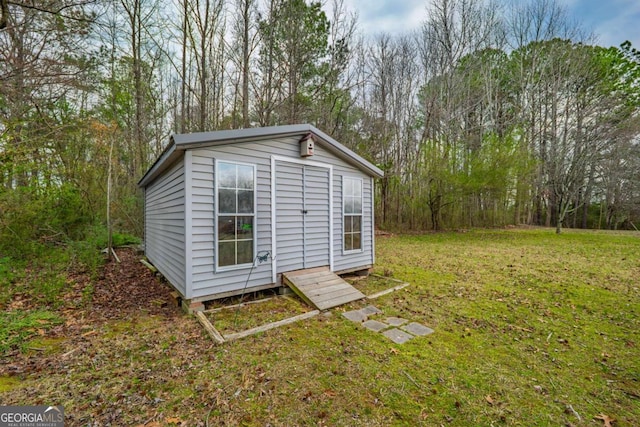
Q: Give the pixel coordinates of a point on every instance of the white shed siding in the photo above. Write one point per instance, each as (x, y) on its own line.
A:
(289, 225)
(260, 154)
(316, 222)
(165, 225)
(342, 260)
(303, 239)
(206, 281)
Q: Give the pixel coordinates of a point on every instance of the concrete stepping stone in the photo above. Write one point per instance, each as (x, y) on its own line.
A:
(370, 309)
(395, 321)
(417, 329)
(397, 336)
(374, 325)
(390, 327)
(355, 316)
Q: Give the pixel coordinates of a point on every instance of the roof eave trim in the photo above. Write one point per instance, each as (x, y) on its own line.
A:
(159, 164)
(211, 139)
(186, 144)
(181, 142)
(346, 154)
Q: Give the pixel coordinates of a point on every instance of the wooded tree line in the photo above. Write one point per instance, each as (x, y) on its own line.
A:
(487, 116)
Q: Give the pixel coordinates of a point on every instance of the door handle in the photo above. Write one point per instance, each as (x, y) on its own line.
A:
(304, 211)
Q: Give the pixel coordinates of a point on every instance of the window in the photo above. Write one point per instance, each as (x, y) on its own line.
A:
(352, 209)
(235, 184)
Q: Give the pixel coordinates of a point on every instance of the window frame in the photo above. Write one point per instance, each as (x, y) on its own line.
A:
(217, 214)
(360, 181)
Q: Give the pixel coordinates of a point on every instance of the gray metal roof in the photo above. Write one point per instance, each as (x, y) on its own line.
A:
(180, 142)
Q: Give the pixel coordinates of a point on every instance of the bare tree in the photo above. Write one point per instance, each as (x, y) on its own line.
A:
(245, 34)
(40, 67)
(336, 79)
(267, 84)
(455, 32)
(203, 23)
(4, 13)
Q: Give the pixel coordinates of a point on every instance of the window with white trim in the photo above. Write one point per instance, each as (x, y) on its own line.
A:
(352, 213)
(235, 187)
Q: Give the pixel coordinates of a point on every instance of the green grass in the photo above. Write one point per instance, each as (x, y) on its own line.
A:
(46, 346)
(39, 282)
(19, 326)
(10, 272)
(373, 284)
(41, 276)
(8, 383)
(47, 274)
(535, 321)
(531, 328)
(252, 315)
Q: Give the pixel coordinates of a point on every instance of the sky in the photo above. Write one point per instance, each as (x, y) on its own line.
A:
(611, 21)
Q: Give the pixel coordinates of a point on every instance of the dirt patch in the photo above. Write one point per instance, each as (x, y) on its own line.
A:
(125, 354)
(128, 287)
(249, 316)
(123, 291)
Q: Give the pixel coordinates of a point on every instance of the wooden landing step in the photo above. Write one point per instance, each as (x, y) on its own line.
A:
(321, 288)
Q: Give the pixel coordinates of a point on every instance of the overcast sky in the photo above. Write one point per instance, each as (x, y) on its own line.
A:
(612, 21)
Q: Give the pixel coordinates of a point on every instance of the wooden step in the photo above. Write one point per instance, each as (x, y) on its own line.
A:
(321, 288)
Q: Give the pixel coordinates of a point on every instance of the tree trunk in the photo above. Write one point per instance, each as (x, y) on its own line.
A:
(4, 14)
(183, 80)
(245, 63)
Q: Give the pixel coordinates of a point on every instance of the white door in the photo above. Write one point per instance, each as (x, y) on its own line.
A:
(302, 208)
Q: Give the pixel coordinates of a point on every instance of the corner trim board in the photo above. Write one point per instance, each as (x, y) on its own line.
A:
(188, 223)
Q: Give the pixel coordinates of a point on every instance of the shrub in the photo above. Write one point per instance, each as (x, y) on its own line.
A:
(32, 217)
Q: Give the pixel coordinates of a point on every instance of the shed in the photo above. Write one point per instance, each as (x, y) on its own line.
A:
(228, 212)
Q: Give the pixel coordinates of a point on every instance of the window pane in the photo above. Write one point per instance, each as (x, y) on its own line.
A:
(357, 188)
(348, 205)
(236, 193)
(357, 205)
(357, 241)
(357, 223)
(245, 227)
(348, 187)
(226, 253)
(347, 242)
(227, 201)
(348, 228)
(226, 228)
(245, 252)
(226, 175)
(245, 177)
(245, 201)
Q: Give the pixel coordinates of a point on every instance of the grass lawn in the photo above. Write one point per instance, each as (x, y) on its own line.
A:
(531, 329)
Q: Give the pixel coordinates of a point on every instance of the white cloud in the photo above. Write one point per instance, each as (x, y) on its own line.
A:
(394, 17)
(613, 21)
(625, 25)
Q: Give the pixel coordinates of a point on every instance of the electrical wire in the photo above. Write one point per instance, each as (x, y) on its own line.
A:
(261, 256)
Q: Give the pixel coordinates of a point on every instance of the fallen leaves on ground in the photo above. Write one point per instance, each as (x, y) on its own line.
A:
(118, 326)
(607, 420)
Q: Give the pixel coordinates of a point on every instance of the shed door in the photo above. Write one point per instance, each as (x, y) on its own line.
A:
(302, 216)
